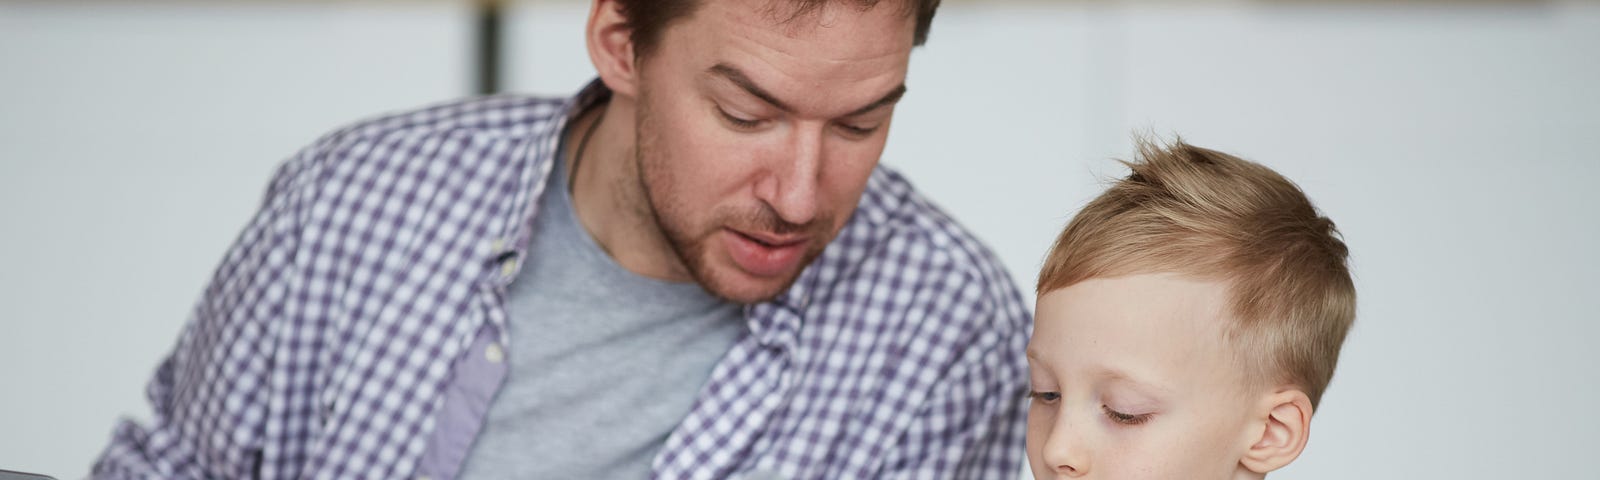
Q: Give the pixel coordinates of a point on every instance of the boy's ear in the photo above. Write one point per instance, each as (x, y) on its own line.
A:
(611, 48)
(1285, 428)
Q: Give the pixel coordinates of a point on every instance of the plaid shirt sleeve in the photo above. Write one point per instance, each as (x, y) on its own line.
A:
(322, 344)
(207, 394)
(898, 354)
(973, 425)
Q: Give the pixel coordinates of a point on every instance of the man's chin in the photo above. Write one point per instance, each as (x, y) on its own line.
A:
(738, 287)
(717, 271)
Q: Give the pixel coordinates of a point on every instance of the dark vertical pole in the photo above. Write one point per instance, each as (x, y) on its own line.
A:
(490, 38)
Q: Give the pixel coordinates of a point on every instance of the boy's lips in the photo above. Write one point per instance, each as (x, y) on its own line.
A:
(763, 254)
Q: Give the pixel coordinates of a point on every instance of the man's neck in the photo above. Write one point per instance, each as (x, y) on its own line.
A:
(608, 196)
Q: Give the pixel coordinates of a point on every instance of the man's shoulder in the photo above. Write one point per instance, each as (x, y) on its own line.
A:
(481, 141)
(900, 236)
(896, 211)
(463, 165)
(469, 130)
(904, 276)
(499, 116)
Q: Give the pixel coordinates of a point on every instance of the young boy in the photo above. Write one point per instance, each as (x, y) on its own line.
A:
(1188, 321)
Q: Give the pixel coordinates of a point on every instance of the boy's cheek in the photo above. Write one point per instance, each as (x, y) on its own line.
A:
(1040, 419)
(1039, 428)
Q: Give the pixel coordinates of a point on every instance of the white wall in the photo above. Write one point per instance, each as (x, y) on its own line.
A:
(135, 141)
(1454, 147)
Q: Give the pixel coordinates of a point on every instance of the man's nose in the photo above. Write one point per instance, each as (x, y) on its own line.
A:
(792, 184)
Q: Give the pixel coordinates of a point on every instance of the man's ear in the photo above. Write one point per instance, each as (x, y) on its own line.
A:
(1285, 427)
(611, 48)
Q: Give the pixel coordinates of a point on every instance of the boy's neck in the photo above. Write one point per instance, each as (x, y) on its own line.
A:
(1242, 473)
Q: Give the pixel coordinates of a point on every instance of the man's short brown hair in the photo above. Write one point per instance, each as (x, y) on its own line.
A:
(648, 18)
(1194, 211)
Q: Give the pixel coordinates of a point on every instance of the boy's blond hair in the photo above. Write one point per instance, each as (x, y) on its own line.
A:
(1195, 211)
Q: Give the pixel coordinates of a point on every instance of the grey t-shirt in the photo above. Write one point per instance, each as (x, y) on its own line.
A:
(603, 363)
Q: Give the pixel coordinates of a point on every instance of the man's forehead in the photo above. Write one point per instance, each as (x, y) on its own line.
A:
(811, 14)
(723, 45)
(845, 29)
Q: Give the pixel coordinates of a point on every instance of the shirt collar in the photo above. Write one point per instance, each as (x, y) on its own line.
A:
(763, 323)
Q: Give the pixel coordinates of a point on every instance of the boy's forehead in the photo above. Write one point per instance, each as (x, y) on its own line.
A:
(1143, 299)
(1137, 327)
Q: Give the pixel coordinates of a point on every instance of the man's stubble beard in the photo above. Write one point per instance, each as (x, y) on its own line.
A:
(692, 250)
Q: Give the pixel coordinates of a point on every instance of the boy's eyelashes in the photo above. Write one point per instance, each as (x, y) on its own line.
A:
(1051, 398)
(1126, 418)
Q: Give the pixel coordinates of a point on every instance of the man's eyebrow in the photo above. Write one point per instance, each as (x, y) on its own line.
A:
(889, 99)
(739, 78)
(743, 81)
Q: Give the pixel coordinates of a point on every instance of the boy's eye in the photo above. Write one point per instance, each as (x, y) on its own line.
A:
(1045, 397)
(1126, 418)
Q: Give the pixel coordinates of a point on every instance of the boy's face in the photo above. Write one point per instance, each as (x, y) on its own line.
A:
(1132, 379)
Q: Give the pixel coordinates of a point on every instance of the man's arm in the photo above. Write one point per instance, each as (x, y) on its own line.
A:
(974, 424)
(210, 395)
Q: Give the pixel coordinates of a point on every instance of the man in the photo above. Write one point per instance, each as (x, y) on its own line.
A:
(693, 269)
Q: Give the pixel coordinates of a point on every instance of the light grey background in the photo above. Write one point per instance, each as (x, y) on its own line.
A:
(1456, 147)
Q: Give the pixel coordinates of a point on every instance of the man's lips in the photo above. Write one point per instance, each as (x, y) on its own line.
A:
(763, 254)
(770, 239)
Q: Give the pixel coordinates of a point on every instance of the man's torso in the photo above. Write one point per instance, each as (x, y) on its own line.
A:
(603, 363)
(348, 331)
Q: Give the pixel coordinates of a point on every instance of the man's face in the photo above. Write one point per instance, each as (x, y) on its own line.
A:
(756, 136)
(1133, 379)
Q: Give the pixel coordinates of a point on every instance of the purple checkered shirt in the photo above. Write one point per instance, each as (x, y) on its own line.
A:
(354, 328)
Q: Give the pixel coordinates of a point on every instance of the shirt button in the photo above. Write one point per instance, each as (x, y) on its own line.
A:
(508, 268)
(494, 354)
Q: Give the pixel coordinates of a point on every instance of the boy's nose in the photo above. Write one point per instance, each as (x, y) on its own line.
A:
(1064, 451)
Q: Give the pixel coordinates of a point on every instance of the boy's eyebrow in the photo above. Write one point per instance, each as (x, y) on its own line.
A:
(1035, 361)
(1110, 373)
(738, 78)
(1034, 355)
